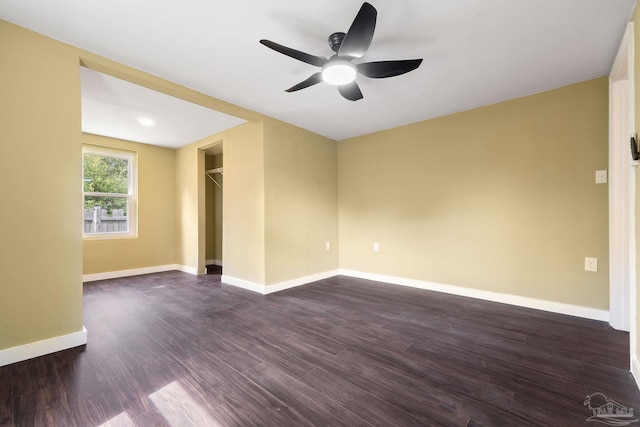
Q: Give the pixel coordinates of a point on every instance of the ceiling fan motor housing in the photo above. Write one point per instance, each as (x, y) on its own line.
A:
(335, 41)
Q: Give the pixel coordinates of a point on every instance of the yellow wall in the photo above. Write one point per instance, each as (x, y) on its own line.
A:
(187, 226)
(279, 202)
(243, 202)
(40, 168)
(156, 241)
(301, 203)
(501, 198)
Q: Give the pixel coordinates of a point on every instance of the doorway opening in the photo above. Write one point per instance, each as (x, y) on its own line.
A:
(622, 244)
(214, 186)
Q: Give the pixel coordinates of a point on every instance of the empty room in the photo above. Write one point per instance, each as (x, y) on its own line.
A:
(341, 213)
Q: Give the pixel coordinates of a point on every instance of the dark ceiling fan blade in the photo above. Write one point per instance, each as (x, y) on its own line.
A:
(358, 38)
(382, 69)
(314, 79)
(351, 91)
(296, 54)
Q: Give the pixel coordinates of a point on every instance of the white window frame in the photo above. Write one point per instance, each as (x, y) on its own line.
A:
(132, 199)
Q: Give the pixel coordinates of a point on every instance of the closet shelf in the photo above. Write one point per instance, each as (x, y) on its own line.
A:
(212, 172)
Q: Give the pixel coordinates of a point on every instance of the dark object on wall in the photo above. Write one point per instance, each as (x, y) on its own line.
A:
(635, 154)
(339, 70)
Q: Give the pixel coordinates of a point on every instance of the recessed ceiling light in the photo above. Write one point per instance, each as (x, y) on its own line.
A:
(144, 121)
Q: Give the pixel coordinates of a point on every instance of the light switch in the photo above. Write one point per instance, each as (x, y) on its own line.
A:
(601, 177)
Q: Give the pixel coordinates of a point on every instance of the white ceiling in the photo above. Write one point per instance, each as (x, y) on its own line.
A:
(112, 107)
(475, 52)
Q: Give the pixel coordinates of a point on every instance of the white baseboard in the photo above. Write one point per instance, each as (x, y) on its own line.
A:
(138, 271)
(213, 262)
(281, 286)
(132, 272)
(244, 284)
(277, 287)
(555, 307)
(635, 369)
(551, 306)
(187, 269)
(40, 348)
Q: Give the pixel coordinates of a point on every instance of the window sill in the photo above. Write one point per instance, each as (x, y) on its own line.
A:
(114, 236)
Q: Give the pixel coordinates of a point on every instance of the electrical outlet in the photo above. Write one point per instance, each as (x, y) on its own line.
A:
(376, 247)
(327, 245)
(590, 264)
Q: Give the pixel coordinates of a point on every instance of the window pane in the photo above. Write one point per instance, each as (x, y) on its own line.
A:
(106, 214)
(105, 174)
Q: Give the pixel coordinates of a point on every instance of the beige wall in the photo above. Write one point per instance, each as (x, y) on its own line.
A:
(40, 168)
(501, 198)
(279, 202)
(156, 241)
(187, 225)
(243, 202)
(213, 200)
(301, 203)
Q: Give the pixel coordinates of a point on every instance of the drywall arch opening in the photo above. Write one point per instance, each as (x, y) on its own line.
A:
(185, 250)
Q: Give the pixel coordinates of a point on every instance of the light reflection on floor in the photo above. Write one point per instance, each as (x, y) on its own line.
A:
(179, 409)
(121, 420)
(175, 405)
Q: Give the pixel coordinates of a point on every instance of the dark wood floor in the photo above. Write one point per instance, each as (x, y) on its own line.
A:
(172, 349)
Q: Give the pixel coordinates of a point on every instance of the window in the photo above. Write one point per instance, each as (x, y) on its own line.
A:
(108, 192)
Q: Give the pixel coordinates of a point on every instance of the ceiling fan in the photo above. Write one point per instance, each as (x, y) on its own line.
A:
(339, 70)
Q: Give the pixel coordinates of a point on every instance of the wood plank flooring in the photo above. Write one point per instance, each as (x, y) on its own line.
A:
(172, 349)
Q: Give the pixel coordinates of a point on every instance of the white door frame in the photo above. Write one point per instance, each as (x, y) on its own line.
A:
(622, 191)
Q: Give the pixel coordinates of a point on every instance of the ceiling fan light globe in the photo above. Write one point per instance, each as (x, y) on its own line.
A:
(339, 73)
